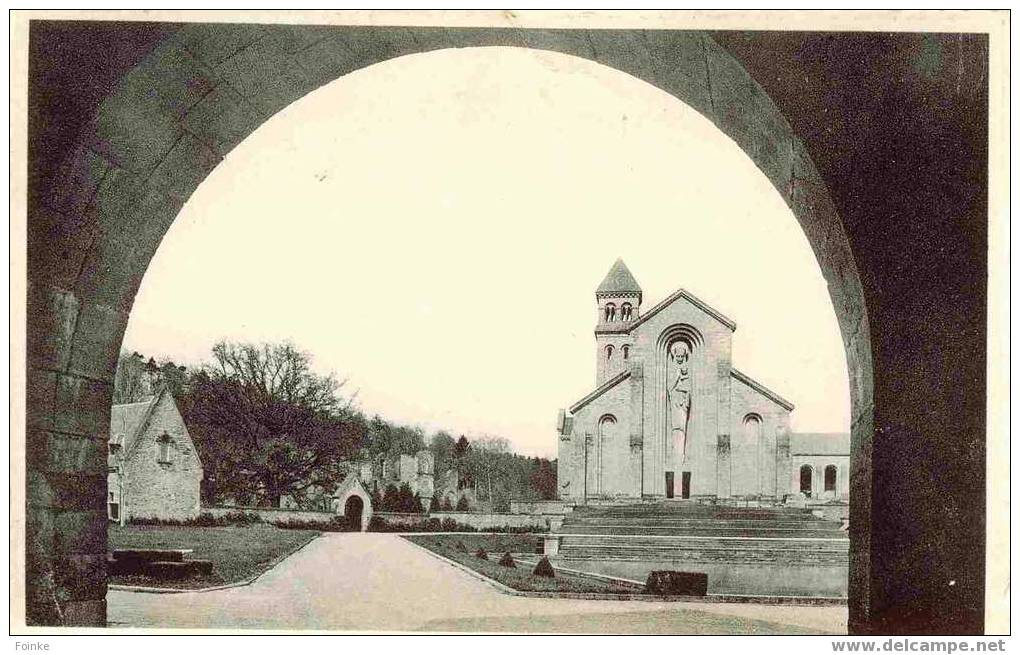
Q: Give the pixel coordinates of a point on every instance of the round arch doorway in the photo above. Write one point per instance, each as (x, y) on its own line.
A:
(354, 511)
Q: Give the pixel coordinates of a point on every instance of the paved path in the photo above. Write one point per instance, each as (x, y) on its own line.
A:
(380, 582)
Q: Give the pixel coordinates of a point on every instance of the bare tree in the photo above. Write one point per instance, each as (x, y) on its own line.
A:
(268, 424)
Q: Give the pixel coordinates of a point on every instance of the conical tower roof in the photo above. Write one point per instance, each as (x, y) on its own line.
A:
(618, 281)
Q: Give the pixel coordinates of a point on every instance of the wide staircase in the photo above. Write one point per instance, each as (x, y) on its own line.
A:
(681, 531)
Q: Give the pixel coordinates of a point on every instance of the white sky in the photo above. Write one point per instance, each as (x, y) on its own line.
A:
(433, 228)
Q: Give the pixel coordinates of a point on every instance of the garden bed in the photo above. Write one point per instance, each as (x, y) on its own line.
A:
(463, 548)
(236, 552)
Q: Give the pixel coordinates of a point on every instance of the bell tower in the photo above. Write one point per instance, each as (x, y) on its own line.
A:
(618, 299)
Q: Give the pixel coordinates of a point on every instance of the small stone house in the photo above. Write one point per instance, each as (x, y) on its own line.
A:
(153, 468)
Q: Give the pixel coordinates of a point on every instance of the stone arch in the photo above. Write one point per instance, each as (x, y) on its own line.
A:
(173, 117)
(340, 504)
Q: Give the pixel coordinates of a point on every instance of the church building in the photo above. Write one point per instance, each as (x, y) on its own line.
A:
(670, 417)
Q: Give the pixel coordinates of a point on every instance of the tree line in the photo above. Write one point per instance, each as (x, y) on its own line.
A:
(266, 425)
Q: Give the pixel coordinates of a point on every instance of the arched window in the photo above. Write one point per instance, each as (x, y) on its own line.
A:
(625, 311)
(610, 312)
(830, 477)
(805, 480)
(626, 352)
(609, 353)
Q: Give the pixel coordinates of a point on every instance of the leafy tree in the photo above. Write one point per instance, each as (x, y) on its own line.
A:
(434, 504)
(462, 504)
(137, 380)
(390, 500)
(442, 446)
(447, 505)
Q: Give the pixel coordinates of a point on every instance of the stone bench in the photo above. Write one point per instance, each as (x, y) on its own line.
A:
(160, 564)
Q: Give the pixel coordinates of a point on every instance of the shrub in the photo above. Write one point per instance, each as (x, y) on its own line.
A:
(378, 524)
(433, 525)
(462, 504)
(446, 505)
(434, 504)
(508, 561)
(448, 525)
(203, 520)
(481, 554)
(544, 569)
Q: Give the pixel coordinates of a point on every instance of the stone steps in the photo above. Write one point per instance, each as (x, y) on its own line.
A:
(673, 541)
(750, 550)
(705, 555)
(776, 533)
(701, 533)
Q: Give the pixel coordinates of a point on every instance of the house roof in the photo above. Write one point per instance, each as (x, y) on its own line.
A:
(128, 421)
(820, 443)
(618, 280)
(606, 386)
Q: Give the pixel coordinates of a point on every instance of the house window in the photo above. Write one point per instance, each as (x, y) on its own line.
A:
(115, 511)
(165, 449)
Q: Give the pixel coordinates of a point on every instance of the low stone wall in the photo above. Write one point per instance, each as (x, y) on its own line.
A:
(540, 507)
(402, 520)
(477, 520)
(481, 521)
(273, 514)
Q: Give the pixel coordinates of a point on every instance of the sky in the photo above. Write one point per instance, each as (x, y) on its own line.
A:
(432, 230)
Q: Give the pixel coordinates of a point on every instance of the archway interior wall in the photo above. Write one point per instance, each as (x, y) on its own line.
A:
(173, 118)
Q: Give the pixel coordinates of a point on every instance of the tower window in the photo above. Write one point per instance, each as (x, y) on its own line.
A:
(625, 311)
(610, 312)
(609, 353)
(626, 352)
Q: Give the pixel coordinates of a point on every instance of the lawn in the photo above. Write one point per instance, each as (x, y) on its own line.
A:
(237, 552)
(520, 578)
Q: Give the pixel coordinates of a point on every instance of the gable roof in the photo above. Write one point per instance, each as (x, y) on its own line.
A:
(762, 389)
(618, 280)
(606, 386)
(820, 443)
(673, 297)
(352, 482)
(125, 420)
(128, 423)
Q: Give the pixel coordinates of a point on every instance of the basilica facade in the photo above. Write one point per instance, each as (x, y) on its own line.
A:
(670, 417)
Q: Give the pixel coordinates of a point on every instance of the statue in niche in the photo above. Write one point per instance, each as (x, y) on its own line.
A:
(678, 391)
